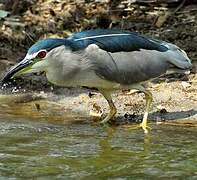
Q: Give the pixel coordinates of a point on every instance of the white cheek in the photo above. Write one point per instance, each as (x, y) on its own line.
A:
(40, 65)
(30, 56)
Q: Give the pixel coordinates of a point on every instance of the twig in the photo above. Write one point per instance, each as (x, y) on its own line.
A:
(180, 6)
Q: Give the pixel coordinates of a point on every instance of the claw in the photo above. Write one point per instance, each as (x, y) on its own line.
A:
(107, 118)
(104, 121)
(145, 127)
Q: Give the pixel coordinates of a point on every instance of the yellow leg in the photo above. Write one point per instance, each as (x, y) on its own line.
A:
(112, 107)
(149, 99)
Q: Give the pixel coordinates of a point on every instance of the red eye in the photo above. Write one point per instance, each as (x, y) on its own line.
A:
(42, 54)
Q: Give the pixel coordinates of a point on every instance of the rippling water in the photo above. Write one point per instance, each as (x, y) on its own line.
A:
(41, 144)
(41, 150)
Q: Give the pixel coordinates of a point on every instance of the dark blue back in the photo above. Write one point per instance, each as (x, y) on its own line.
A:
(128, 41)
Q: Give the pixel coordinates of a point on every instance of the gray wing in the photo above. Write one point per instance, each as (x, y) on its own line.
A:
(127, 67)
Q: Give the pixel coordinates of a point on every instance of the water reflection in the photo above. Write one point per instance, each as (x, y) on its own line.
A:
(42, 144)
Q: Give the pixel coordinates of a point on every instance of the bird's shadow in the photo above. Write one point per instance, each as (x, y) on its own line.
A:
(155, 116)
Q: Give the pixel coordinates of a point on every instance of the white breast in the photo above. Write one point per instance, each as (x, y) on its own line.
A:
(89, 79)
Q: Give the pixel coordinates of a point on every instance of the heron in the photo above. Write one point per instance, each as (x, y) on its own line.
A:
(105, 59)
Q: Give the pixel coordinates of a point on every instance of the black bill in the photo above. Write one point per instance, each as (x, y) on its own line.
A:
(20, 67)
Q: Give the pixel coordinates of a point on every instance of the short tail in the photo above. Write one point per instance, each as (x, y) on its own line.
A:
(177, 57)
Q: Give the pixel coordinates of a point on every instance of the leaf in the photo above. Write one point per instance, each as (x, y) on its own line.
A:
(3, 14)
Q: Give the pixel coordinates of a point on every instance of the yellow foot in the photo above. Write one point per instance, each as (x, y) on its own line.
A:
(141, 125)
(105, 121)
(145, 127)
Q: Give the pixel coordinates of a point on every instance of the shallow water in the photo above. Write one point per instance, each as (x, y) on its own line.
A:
(36, 146)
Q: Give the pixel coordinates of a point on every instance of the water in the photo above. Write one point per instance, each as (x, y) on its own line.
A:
(36, 147)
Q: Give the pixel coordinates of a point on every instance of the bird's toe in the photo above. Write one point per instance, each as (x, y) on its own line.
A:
(145, 127)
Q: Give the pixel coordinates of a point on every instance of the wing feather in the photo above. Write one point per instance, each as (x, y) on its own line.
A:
(128, 67)
(113, 41)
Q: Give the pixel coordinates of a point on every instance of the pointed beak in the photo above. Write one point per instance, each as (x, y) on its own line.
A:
(21, 68)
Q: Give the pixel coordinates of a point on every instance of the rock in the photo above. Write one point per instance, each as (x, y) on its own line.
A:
(185, 84)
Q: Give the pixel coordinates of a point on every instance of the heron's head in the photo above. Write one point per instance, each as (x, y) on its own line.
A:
(36, 59)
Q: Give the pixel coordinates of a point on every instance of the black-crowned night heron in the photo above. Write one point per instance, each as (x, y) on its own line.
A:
(104, 59)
